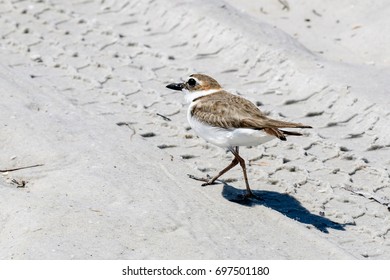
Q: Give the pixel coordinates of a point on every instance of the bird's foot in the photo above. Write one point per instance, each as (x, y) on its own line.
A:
(207, 181)
(251, 195)
(247, 199)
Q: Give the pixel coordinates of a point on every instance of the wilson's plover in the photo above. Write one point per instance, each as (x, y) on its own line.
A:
(228, 121)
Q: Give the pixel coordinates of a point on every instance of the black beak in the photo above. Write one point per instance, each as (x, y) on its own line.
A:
(174, 86)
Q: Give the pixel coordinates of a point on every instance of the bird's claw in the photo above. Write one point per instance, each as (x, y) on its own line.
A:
(251, 195)
(205, 180)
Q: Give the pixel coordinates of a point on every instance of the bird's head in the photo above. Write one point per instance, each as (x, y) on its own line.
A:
(196, 85)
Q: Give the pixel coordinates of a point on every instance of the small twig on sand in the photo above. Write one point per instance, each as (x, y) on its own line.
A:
(381, 200)
(316, 13)
(128, 124)
(19, 168)
(19, 184)
(285, 5)
(164, 117)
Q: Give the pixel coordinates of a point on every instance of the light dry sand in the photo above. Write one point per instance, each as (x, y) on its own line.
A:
(82, 82)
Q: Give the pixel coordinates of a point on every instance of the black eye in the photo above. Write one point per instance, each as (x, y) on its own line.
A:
(191, 82)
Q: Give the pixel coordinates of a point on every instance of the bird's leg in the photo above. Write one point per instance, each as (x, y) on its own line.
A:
(223, 171)
(210, 181)
(249, 192)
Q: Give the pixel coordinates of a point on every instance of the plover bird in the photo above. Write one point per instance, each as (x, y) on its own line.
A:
(228, 121)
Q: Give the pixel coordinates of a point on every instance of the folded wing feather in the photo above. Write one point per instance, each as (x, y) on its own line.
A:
(231, 111)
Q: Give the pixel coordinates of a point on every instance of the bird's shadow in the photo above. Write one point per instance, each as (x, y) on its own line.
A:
(283, 203)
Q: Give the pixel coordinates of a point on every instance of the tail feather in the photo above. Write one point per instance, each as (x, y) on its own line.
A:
(275, 132)
(283, 124)
(261, 123)
(293, 133)
(272, 127)
(279, 133)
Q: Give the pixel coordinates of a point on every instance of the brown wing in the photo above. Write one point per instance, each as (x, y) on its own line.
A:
(230, 111)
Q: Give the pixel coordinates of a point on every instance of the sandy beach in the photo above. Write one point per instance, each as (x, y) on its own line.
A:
(95, 151)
